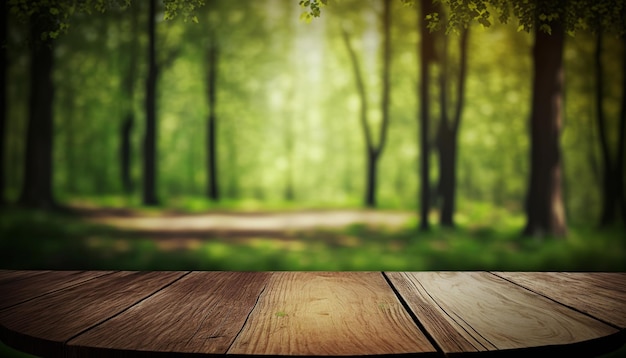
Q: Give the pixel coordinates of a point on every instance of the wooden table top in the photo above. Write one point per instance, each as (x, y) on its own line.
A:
(148, 313)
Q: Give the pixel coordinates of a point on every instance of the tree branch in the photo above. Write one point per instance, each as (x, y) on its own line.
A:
(360, 88)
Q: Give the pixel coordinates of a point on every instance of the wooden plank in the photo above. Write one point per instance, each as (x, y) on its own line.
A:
(496, 314)
(21, 286)
(600, 294)
(444, 330)
(329, 313)
(200, 313)
(42, 325)
(18, 274)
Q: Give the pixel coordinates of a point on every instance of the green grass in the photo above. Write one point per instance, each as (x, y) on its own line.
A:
(484, 240)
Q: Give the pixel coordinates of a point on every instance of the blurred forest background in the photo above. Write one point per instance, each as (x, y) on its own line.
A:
(259, 107)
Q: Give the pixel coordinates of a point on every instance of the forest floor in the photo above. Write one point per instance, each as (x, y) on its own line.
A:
(103, 238)
(176, 230)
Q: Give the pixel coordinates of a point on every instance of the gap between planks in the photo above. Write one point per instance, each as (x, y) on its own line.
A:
(414, 317)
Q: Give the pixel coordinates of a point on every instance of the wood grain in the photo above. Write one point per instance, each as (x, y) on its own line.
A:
(444, 330)
(78, 314)
(9, 275)
(329, 313)
(200, 313)
(490, 311)
(600, 294)
(42, 325)
(20, 286)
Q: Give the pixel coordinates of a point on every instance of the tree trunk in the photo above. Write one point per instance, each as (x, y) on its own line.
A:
(149, 159)
(544, 204)
(372, 166)
(3, 96)
(363, 118)
(447, 134)
(212, 61)
(374, 150)
(426, 55)
(609, 199)
(125, 152)
(128, 121)
(447, 170)
(621, 144)
(37, 186)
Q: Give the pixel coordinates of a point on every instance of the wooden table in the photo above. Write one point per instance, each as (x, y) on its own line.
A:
(112, 313)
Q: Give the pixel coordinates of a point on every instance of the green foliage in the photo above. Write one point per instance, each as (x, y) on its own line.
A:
(57, 14)
(313, 9)
(605, 15)
(574, 15)
(188, 9)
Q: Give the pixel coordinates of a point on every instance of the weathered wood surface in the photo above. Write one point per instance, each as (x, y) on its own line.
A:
(600, 294)
(200, 313)
(48, 321)
(490, 313)
(85, 314)
(26, 285)
(329, 313)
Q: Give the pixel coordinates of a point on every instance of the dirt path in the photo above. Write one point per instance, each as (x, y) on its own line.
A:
(246, 223)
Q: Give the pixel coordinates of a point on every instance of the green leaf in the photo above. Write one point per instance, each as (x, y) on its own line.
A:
(305, 16)
(484, 22)
(54, 11)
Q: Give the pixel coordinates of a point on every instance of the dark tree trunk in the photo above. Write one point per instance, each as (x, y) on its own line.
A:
(609, 184)
(447, 171)
(212, 61)
(149, 154)
(37, 186)
(3, 95)
(544, 204)
(125, 152)
(128, 121)
(372, 167)
(426, 55)
(448, 133)
(621, 144)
